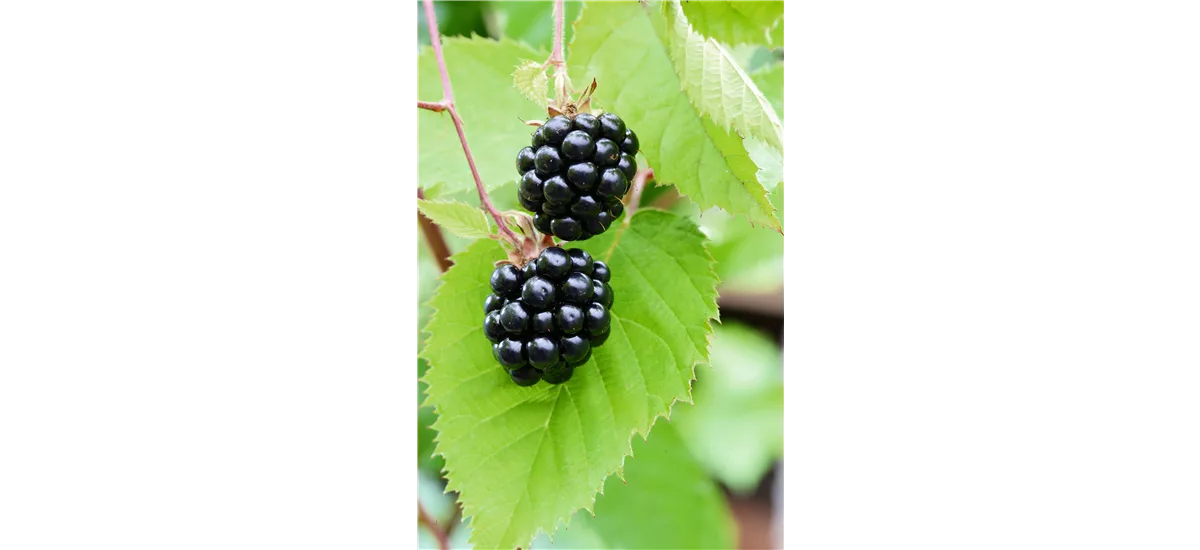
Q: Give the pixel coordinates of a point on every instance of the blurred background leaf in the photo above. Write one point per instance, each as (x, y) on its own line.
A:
(735, 429)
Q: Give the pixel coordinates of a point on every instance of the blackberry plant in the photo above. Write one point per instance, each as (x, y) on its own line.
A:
(528, 279)
(544, 319)
(575, 172)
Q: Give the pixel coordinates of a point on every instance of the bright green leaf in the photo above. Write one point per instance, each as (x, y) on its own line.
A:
(524, 459)
(667, 501)
(492, 112)
(736, 427)
(621, 45)
(717, 86)
(530, 79)
(459, 218)
(737, 22)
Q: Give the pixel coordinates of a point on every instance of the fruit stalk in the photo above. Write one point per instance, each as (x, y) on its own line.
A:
(434, 237)
(447, 104)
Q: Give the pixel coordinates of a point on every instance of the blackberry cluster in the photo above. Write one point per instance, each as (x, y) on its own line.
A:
(575, 172)
(544, 319)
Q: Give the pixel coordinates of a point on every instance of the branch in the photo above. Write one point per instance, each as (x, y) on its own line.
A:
(447, 103)
(425, 519)
(436, 107)
(434, 237)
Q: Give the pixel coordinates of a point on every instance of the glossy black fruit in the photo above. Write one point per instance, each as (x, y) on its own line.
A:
(607, 153)
(600, 271)
(525, 376)
(547, 161)
(544, 319)
(525, 160)
(574, 348)
(492, 328)
(542, 352)
(630, 144)
(558, 374)
(612, 127)
(557, 128)
(577, 289)
(582, 177)
(588, 123)
(553, 263)
(538, 292)
(574, 171)
(581, 261)
(509, 353)
(566, 228)
(506, 280)
(557, 191)
(514, 317)
(578, 145)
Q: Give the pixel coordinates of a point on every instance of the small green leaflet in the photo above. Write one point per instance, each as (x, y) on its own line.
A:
(668, 500)
(736, 427)
(530, 79)
(491, 109)
(623, 46)
(524, 459)
(738, 22)
(459, 218)
(715, 83)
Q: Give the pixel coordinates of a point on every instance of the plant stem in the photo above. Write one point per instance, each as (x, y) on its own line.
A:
(635, 194)
(432, 106)
(447, 103)
(434, 237)
(556, 55)
(425, 519)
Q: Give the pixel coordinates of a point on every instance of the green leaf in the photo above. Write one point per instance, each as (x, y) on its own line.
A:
(717, 86)
(737, 22)
(736, 427)
(621, 45)
(530, 79)
(667, 501)
(530, 22)
(491, 109)
(459, 218)
(524, 459)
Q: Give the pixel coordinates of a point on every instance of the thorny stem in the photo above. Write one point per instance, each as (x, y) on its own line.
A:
(447, 103)
(434, 237)
(556, 56)
(425, 519)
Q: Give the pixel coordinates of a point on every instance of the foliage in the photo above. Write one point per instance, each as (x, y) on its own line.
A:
(531, 466)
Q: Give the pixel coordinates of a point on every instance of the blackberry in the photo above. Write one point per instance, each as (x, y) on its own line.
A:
(575, 172)
(544, 319)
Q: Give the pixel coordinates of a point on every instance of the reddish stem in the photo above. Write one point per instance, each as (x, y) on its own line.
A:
(434, 237)
(425, 519)
(556, 55)
(436, 107)
(447, 103)
(436, 39)
(635, 194)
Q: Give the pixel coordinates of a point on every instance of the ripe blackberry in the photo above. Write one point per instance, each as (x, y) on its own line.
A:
(575, 172)
(544, 319)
